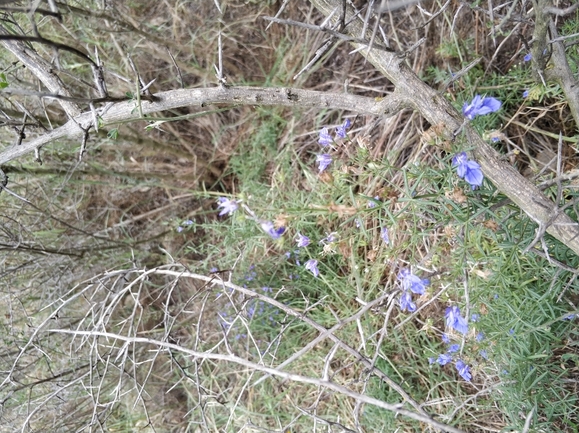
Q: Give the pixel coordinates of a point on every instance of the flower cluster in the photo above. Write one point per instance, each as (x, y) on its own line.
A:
(454, 321)
(410, 283)
(325, 159)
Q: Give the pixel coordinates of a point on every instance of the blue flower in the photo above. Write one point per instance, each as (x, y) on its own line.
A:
(227, 206)
(341, 130)
(463, 370)
(467, 169)
(411, 282)
(480, 337)
(312, 266)
(445, 338)
(406, 302)
(384, 235)
(453, 348)
(324, 160)
(303, 241)
(443, 359)
(526, 93)
(475, 317)
(269, 228)
(480, 106)
(179, 229)
(455, 320)
(325, 137)
(527, 57)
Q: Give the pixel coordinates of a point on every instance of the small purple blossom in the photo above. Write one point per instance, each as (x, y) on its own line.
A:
(463, 370)
(444, 359)
(480, 106)
(526, 93)
(324, 160)
(384, 235)
(411, 282)
(325, 137)
(270, 229)
(475, 317)
(484, 354)
(227, 206)
(406, 302)
(341, 130)
(445, 338)
(480, 337)
(453, 348)
(312, 266)
(468, 169)
(527, 57)
(372, 204)
(330, 238)
(455, 320)
(302, 240)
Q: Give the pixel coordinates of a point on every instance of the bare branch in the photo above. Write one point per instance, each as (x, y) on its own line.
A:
(129, 111)
(41, 69)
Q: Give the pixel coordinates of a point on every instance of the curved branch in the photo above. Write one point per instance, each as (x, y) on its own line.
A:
(438, 111)
(129, 110)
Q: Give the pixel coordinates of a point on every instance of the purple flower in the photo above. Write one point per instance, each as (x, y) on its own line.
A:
(453, 348)
(303, 241)
(330, 238)
(406, 302)
(384, 235)
(463, 370)
(324, 160)
(480, 337)
(312, 266)
(269, 228)
(372, 204)
(475, 317)
(179, 229)
(455, 320)
(526, 93)
(484, 354)
(227, 206)
(187, 223)
(480, 106)
(445, 338)
(443, 359)
(341, 130)
(325, 137)
(467, 169)
(527, 57)
(411, 282)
